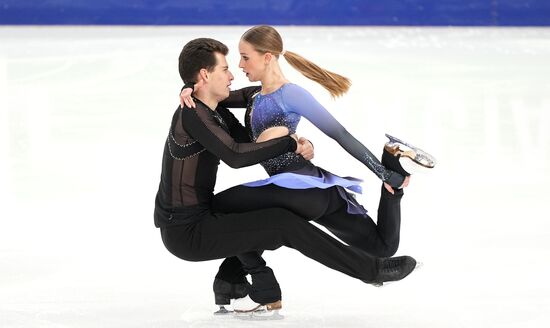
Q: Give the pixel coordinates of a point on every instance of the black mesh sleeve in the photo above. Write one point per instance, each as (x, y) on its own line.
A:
(236, 129)
(201, 125)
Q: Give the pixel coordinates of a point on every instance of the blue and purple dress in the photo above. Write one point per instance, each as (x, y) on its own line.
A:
(285, 107)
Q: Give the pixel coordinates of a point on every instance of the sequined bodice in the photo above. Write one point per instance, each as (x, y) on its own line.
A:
(270, 111)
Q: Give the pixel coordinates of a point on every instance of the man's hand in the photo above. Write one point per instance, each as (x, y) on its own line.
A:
(306, 150)
(299, 147)
(303, 147)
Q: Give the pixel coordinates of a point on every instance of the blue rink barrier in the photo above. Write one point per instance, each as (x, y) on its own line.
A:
(277, 12)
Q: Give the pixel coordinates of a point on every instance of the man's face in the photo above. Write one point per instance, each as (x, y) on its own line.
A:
(219, 80)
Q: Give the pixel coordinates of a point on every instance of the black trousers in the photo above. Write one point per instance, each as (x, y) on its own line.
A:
(246, 234)
(327, 208)
(324, 206)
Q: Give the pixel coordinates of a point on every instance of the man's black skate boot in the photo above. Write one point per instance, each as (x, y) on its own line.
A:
(393, 269)
(225, 291)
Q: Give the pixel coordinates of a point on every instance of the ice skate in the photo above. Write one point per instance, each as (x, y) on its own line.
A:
(393, 269)
(405, 158)
(225, 291)
(392, 264)
(246, 309)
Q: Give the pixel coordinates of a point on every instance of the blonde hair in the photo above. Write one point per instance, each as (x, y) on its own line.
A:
(265, 38)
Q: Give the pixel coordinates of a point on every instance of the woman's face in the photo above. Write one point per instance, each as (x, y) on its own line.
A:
(252, 62)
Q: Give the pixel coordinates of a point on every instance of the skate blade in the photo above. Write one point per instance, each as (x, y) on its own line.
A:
(260, 315)
(412, 167)
(220, 313)
(223, 311)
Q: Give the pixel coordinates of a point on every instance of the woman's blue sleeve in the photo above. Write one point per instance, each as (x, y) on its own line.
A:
(300, 101)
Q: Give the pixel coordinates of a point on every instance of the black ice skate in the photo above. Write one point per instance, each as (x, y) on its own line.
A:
(393, 269)
(225, 291)
(396, 151)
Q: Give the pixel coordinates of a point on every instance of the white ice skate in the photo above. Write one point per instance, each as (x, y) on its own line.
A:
(246, 309)
(411, 159)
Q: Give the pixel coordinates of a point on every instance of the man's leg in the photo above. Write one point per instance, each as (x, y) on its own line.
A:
(264, 288)
(230, 282)
(244, 199)
(231, 270)
(224, 235)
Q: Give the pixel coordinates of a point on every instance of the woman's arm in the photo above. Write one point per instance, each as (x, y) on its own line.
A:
(237, 98)
(240, 98)
(300, 101)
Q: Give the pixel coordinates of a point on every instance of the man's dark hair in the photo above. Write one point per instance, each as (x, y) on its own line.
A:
(198, 54)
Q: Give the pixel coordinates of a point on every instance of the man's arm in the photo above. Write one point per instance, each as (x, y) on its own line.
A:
(201, 125)
(242, 134)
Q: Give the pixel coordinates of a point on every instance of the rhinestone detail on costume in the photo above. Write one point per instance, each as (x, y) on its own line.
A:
(171, 136)
(268, 111)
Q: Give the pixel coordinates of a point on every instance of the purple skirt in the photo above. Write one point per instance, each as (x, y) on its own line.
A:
(315, 177)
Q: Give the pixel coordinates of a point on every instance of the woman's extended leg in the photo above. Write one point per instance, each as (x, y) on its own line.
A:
(380, 238)
(308, 203)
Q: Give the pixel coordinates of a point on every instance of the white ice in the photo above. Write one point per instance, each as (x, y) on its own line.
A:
(84, 112)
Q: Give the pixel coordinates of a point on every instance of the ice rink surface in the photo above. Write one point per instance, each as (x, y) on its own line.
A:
(84, 113)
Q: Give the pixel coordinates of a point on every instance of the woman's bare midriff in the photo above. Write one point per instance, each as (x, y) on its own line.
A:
(271, 133)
